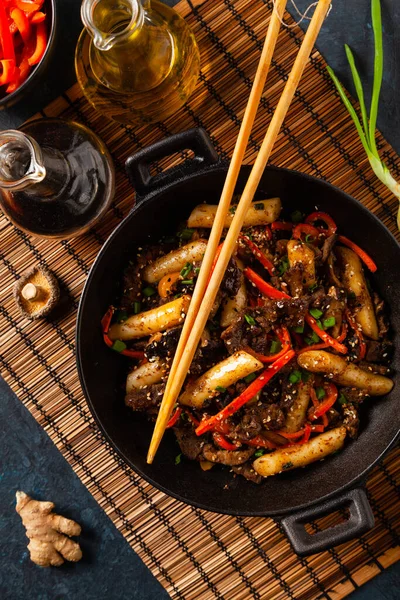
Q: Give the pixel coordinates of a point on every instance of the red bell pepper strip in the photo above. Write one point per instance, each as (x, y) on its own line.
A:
(8, 74)
(223, 442)
(37, 17)
(247, 395)
(281, 226)
(305, 229)
(21, 74)
(264, 287)
(258, 254)
(27, 6)
(329, 400)
(325, 337)
(41, 43)
(6, 40)
(268, 232)
(175, 417)
(192, 418)
(284, 337)
(331, 226)
(325, 420)
(366, 259)
(22, 22)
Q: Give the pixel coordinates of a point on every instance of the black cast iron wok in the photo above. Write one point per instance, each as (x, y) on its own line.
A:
(295, 497)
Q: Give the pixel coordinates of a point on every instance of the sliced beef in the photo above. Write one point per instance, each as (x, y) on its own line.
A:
(211, 352)
(164, 345)
(248, 472)
(331, 271)
(292, 311)
(259, 417)
(235, 336)
(190, 444)
(379, 351)
(281, 248)
(327, 247)
(146, 398)
(374, 368)
(232, 278)
(294, 279)
(227, 457)
(351, 420)
(383, 323)
(353, 395)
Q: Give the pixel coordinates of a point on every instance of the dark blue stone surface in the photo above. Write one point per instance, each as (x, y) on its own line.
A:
(29, 460)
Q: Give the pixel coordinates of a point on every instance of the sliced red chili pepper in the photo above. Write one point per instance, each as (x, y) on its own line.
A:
(329, 400)
(6, 40)
(331, 226)
(247, 395)
(192, 418)
(290, 436)
(325, 420)
(261, 442)
(175, 417)
(28, 7)
(268, 232)
(133, 353)
(284, 337)
(223, 442)
(325, 337)
(313, 347)
(366, 259)
(281, 226)
(264, 287)
(343, 333)
(361, 343)
(22, 22)
(303, 229)
(258, 254)
(317, 428)
(8, 74)
(105, 326)
(41, 43)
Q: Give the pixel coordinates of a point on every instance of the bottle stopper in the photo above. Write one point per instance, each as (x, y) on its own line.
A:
(36, 293)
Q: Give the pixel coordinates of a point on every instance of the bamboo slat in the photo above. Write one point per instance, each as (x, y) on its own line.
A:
(195, 554)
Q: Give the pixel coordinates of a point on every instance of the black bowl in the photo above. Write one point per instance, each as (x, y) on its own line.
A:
(38, 71)
(165, 201)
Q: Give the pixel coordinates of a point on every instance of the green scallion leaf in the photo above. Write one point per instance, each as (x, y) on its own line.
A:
(148, 291)
(295, 376)
(320, 393)
(296, 216)
(330, 322)
(342, 399)
(316, 313)
(249, 319)
(309, 238)
(312, 339)
(187, 281)
(283, 266)
(250, 378)
(186, 234)
(258, 453)
(232, 209)
(196, 270)
(136, 307)
(259, 206)
(178, 459)
(176, 296)
(186, 270)
(275, 347)
(118, 346)
(299, 329)
(220, 388)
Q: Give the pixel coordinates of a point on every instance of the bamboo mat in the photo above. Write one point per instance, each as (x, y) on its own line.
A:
(196, 554)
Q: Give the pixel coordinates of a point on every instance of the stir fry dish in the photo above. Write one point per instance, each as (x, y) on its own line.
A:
(296, 341)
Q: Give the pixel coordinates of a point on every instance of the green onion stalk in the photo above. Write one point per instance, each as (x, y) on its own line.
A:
(366, 128)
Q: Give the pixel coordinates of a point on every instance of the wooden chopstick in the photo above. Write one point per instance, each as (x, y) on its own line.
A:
(222, 210)
(185, 358)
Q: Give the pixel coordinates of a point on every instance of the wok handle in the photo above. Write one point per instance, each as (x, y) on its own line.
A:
(361, 520)
(138, 165)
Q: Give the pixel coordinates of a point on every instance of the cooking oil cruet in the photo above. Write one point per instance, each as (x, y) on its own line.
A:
(56, 177)
(136, 62)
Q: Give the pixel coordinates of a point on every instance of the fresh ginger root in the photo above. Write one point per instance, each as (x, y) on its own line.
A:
(48, 533)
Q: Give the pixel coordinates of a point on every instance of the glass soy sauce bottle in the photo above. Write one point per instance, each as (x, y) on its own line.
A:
(56, 178)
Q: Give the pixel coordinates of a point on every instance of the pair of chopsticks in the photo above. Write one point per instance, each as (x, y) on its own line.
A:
(201, 303)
